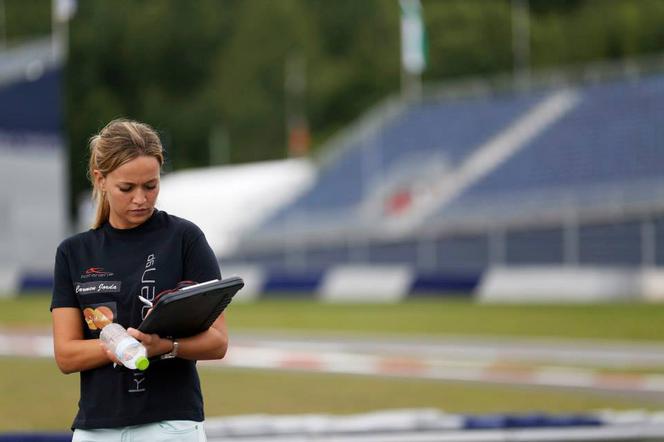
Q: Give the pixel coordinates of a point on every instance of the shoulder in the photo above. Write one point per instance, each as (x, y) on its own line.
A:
(78, 240)
(179, 225)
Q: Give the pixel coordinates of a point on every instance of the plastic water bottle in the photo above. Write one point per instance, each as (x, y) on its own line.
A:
(126, 348)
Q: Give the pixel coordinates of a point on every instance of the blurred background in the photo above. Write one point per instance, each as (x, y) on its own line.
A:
(445, 211)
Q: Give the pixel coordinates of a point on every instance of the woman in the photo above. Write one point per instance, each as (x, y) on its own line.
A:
(132, 250)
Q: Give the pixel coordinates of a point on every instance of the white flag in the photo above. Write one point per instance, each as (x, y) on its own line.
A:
(413, 39)
(64, 9)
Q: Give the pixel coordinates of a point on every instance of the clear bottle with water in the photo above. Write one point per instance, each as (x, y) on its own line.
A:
(126, 348)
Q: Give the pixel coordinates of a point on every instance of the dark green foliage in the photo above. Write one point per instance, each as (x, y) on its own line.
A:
(22, 19)
(191, 68)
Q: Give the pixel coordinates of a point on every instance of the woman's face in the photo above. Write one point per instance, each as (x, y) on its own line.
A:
(131, 191)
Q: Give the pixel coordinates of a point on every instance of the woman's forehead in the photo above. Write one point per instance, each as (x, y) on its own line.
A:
(143, 168)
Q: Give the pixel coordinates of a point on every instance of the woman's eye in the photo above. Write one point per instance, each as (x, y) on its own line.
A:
(151, 187)
(125, 189)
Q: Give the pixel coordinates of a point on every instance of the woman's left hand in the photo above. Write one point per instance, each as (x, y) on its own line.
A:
(154, 344)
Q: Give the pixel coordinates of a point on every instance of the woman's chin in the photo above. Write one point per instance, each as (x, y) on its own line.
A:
(134, 218)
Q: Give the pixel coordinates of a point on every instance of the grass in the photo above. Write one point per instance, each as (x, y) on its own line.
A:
(233, 391)
(630, 321)
(52, 400)
(623, 321)
(36, 384)
(35, 395)
(32, 310)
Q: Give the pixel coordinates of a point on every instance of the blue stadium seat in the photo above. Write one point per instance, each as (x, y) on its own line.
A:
(449, 130)
(606, 153)
(610, 143)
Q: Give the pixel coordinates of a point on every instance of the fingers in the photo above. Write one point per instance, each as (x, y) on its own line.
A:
(110, 354)
(144, 338)
(152, 343)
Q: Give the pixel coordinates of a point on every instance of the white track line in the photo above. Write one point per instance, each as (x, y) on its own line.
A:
(409, 366)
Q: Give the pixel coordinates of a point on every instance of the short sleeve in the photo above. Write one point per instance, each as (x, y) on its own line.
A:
(63, 289)
(200, 262)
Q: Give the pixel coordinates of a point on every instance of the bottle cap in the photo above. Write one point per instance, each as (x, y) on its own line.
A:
(142, 363)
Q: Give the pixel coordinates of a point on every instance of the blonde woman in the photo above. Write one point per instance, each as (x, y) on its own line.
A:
(132, 250)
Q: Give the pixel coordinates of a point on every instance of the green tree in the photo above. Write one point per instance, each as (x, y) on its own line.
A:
(358, 62)
(24, 19)
(196, 70)
(248, 79)
(468, 38)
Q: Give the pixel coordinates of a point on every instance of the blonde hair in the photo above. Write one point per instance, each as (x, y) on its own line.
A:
(116, 144)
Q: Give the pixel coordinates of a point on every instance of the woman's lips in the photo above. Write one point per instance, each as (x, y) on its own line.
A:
(138, 211)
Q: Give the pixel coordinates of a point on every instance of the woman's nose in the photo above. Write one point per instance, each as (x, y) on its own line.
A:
(139, 197)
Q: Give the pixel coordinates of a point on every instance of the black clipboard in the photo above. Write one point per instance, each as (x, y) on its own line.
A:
(192, 309)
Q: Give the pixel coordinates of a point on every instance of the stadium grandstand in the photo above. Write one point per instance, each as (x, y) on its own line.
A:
(567, 173)
(33, 162)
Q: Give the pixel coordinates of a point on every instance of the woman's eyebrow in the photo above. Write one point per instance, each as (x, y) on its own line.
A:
(130, 183)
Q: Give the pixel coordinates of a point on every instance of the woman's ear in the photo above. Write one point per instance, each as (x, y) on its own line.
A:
(100, 180)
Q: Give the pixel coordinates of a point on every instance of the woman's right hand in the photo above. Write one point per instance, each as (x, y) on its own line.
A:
(110, 354)
(74, 353)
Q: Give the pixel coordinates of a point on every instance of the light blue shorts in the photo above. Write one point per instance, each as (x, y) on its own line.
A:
(164, 431)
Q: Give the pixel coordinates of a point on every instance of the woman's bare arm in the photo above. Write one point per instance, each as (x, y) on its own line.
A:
(210, 344)
(73, 353)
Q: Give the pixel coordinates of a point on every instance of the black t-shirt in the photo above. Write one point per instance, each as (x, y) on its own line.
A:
(102, 272)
